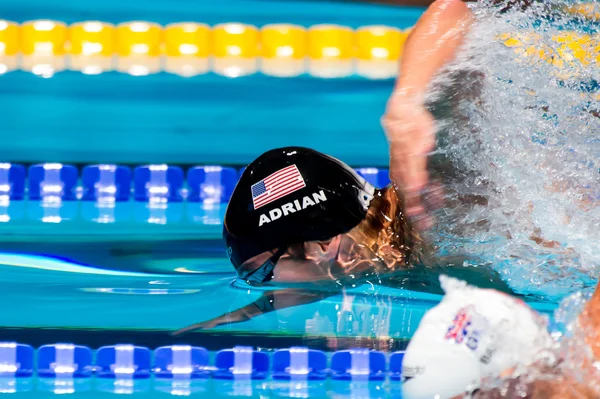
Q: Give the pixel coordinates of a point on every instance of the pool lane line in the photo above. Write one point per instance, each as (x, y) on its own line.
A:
(213, 341)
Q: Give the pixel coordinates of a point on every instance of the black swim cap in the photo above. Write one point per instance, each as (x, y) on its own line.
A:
(292, 195)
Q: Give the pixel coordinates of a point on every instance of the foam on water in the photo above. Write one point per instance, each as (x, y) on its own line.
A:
(525, 151)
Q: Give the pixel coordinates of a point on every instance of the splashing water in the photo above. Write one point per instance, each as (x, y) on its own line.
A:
(564, 369)
(522, 139)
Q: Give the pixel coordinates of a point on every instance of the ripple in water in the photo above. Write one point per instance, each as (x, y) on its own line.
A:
(521, 131)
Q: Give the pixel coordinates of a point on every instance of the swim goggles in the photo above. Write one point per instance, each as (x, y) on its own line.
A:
(265, 271)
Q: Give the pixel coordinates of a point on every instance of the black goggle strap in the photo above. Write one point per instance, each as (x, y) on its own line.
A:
(265, 271)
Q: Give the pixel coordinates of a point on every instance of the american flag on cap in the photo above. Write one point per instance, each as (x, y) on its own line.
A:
(277, 185)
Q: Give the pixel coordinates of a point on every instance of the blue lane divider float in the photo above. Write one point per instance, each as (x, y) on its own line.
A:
(211, 184)
(241, 172)
(129, 362)
(159, 183)
(106, 183)
(52, 181)
(241, 362)
(64, 360)
(16, 360)
(377, 177)
(358, 364)
(294, 363)
(12, 181)
(123, 362)
(181, 360)
(396, 366)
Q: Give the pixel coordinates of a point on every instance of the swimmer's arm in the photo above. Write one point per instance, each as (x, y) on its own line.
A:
(589, 321)
(554, 387)
(268, 302)
(432, 43)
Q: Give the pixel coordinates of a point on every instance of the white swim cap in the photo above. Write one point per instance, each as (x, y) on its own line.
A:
(471, 334)
(444, 372)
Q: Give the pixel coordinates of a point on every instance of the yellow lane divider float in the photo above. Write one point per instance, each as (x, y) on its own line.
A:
(571, 53)
(187, 47)
(589, 11)
(140, 48)
(43, 45)
(284, 49)
(10, 46)
(91, 47)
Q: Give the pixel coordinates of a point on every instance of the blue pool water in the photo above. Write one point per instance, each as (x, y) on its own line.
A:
(131, 281)
(205, 119)
(131, 276)
(135, 282)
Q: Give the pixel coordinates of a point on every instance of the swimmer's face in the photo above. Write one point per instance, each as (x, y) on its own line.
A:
(316, 261)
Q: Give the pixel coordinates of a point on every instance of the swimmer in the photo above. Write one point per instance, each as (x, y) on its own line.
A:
(308, 224)
(299, 218)
(300, 207)
(475, 335)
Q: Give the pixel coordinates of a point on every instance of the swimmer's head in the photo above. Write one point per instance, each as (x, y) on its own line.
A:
(288, 197)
